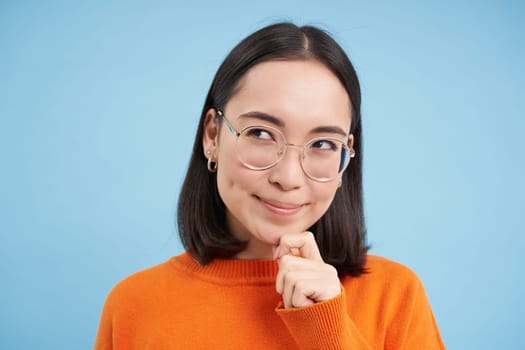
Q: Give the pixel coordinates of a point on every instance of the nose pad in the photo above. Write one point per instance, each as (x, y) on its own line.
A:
(281, 152)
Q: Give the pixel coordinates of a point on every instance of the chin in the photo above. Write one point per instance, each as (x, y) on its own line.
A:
(272, 234)
(271, 239)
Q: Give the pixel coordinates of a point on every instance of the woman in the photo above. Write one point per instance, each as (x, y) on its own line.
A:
(271, 216)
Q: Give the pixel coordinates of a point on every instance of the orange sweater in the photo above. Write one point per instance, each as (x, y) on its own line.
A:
(232, 304)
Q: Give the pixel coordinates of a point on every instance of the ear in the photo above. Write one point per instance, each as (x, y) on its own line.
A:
(210, 138)
(351, 145)
(350, 141)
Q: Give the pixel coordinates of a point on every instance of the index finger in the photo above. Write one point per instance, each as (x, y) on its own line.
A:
(303, 242)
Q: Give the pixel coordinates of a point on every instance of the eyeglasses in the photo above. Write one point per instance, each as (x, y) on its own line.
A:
(262, 147)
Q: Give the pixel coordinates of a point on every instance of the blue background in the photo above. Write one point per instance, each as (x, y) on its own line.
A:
(99, 103)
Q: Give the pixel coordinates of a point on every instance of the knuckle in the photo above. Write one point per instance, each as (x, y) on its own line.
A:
(285, 239)
(290, 278)
(297, 300)
(300, 286)
(331, 270)
(310, 236)
(287, 261)
(284, 261)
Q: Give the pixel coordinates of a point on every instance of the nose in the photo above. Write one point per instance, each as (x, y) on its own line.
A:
(288, 172)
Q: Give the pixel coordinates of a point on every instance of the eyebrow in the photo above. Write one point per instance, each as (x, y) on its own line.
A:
(278, 122)
(264, 117)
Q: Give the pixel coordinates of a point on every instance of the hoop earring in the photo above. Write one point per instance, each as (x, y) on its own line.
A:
(212, 166)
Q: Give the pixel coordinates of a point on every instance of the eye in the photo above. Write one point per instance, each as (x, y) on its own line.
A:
(324, 145)
(259, 134)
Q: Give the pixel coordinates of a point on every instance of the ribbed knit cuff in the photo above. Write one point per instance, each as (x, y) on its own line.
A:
(324, 325)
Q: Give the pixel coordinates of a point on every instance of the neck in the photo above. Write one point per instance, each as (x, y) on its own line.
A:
(256, 250)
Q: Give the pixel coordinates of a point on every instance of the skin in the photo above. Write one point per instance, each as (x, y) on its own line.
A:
(272, 209)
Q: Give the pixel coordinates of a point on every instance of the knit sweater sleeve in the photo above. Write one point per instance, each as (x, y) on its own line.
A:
(324, 325)
(401, 319)
(116, 329)
(417, 328)
(104, 337)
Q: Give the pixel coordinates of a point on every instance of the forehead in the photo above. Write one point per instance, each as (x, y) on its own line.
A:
(301, 92)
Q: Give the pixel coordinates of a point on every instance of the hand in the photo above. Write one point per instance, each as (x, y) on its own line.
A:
(304, 278)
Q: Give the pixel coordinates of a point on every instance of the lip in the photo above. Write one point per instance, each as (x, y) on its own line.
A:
(280, 208)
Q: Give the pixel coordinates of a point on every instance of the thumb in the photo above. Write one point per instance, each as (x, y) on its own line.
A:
(299, 244)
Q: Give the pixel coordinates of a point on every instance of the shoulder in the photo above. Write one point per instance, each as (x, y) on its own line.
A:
(388, 288)
(390, 299)
(142, 278)
(381, 266)
(142, 285)
(384, 276)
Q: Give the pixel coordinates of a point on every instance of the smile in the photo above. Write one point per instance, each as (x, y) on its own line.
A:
(280, 208)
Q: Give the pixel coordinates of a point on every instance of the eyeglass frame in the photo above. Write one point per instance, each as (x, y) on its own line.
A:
(234, 132)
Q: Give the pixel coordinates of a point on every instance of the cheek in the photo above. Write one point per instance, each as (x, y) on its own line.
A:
(325, 191)
(233, 178)
(235, 181)
(324, 195)
(227, 173)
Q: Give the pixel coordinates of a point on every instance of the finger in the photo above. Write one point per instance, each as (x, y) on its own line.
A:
(288, 287)
(303, 288)
(276, 250)
(291, 295)
(284, 268)
(303, 243)
(290, 263)
(301, 294)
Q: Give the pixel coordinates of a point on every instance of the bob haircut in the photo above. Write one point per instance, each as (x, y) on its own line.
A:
(201, 214)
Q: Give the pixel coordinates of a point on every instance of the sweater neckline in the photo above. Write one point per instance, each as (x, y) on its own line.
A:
(228, 271)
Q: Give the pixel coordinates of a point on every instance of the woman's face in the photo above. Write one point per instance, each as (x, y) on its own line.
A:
(306, 101)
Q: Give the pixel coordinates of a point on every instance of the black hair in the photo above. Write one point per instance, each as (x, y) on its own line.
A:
(201, 215)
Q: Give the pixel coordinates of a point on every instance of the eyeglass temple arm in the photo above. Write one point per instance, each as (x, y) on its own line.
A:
(236, 133)
(230, 127)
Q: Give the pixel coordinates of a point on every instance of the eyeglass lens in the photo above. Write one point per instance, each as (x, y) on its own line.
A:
(322, 159)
